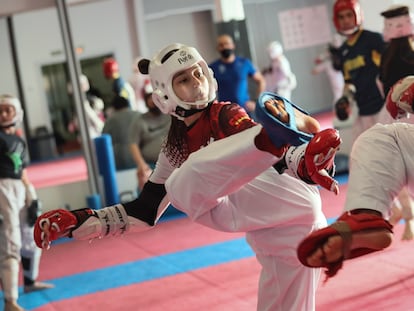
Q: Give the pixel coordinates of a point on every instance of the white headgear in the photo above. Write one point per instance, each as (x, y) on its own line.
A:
(84, 84)
(398, 22)
(162, 72)
(275, 49)
(15, 102)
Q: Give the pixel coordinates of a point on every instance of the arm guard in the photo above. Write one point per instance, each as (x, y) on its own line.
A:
(87, 224)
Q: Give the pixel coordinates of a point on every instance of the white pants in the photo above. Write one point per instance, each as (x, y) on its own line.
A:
(231, 186)
(12, 196)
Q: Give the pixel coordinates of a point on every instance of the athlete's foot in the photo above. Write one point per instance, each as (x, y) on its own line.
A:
(408, 233)
(37, 286)
(304, 122)
(12, 305)
(333, 249)
(396, 214)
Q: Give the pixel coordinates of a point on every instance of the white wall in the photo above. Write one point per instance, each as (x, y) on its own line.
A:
(8, 82)
(102, 27)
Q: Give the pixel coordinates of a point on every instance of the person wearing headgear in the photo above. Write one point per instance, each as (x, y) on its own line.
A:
(19, 206)
(397, 62)
(233, 73)
(381, 164)
(359, 59)
(279, 76)
(398, 58)
(93, 107)
(202, 171)
(141, 85)
(120, 87)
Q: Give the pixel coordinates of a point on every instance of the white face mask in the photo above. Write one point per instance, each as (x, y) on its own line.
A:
(398, 27)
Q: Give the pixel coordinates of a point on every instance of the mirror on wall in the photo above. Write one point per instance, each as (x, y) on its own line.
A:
(64, 139)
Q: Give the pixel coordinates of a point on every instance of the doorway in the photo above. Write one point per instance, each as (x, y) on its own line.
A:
(61, 104)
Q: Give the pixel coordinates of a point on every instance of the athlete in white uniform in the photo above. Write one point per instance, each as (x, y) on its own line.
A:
(381, 165)
(17, 200)
(279, 76)
(218, 170)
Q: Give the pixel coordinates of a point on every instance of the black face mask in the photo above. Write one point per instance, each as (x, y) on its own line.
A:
(226, 53)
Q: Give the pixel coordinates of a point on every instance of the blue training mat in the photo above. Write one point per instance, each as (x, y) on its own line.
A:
(279, 132)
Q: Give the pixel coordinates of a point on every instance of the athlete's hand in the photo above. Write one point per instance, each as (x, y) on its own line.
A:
(304, 122)
(53, 225)
(319, 158)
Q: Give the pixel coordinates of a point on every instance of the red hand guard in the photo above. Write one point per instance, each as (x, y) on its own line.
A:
(400, 98)
(53, 225)
(319, 158)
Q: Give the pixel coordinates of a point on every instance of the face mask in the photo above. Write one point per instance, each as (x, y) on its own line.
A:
(226, 53)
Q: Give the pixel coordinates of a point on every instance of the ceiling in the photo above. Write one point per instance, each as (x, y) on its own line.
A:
(9, 7)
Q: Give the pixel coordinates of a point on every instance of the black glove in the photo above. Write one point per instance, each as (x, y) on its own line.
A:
(33, 211)
(342, 108)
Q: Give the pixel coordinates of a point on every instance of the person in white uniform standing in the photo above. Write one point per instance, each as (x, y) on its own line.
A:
(217, 167)
(279, 76)
(17, 202)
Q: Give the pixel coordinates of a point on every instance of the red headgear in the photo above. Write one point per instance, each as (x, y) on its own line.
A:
(110, 66)
(352, 5)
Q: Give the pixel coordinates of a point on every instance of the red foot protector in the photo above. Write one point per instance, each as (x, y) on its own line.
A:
(345, 226)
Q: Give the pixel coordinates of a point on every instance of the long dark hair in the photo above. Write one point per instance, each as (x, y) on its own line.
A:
(396, 48)
(176, 146)
(397, 61)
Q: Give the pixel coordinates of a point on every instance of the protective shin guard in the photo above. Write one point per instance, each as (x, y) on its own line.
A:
(9, 274)
(109, 221)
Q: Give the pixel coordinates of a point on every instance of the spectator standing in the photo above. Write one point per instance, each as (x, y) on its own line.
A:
(147, 133)
(119, 86)
(117, 126)
(232, 74)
